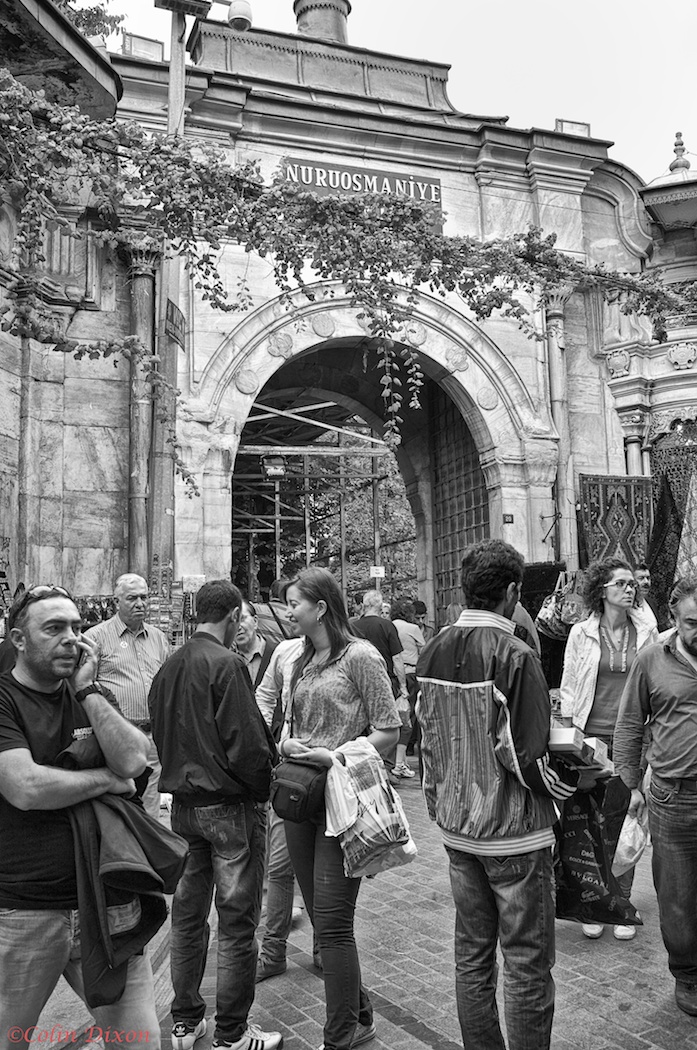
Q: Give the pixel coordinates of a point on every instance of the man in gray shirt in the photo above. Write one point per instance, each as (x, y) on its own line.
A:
(662, 690)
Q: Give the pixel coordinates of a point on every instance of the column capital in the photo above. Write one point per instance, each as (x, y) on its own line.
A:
(556, 299)
(143, 259)
(634, 423)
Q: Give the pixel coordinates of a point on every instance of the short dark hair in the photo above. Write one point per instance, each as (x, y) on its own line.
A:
(684, 587)
(215, 600)
(278, 589)
(596, 576)
(488, 568)
(420, 608)
(642, 567)
(402, 609)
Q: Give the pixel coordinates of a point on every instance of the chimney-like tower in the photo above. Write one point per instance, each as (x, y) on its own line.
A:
(323, 19)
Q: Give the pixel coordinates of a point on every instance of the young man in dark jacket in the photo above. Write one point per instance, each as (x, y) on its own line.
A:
(216, 754)
(485, 714)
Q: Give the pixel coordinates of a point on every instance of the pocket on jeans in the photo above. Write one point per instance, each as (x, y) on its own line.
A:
(508, 869)
(660, 794)
(123, 917)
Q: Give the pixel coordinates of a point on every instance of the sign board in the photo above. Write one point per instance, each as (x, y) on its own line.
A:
(175, 323)
(326, 178)
(377, 572)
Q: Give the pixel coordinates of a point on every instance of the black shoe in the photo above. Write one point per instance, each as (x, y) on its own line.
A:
(267, 968)
(686, 997)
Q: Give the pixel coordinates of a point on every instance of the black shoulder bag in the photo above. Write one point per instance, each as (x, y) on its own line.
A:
(297, 786)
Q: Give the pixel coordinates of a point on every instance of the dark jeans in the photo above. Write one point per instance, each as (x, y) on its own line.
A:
(673, 827)
(511, 900)
(226, 850)
(330, 899)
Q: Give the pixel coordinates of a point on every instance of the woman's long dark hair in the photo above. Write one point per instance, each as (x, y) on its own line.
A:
(596, 575)
(316, 585)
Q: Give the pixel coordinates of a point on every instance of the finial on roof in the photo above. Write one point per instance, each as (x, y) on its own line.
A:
(680, 160)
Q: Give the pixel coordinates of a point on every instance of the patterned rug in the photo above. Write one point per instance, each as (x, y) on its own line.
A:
(662, 555)
(614, 518)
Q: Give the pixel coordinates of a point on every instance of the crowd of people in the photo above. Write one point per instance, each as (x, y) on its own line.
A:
(293, 677)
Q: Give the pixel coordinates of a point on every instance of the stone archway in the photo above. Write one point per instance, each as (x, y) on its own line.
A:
(515, 444)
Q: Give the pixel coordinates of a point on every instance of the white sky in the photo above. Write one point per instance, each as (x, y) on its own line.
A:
(624, 66)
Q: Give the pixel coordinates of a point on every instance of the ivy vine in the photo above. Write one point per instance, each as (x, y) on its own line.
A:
(382, 250)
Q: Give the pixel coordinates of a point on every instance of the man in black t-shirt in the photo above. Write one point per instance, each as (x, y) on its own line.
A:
(46, 704)
(373, 626)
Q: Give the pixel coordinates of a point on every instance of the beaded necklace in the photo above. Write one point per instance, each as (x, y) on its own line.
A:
(621, 648)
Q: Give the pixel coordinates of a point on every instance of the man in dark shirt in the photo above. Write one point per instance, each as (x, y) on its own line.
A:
(662, 689)
(216, 755)
(373, 626)
(45, 706)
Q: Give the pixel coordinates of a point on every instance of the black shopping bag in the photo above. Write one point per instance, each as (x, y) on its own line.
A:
(587, 891)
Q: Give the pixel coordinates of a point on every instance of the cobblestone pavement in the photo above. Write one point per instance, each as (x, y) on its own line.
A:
(610, 994)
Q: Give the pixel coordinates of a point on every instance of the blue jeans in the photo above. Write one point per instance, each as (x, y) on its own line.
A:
(36, 947)
(226, 850)
(511, 900)
(330, 899)
(279, 896)
(673, 827)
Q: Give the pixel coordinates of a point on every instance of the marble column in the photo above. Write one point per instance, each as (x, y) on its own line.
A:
(564, 486)
(143, 266)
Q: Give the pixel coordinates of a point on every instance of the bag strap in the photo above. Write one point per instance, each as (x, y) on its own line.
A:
(280, 625)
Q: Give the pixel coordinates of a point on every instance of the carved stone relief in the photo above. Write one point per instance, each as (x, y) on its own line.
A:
(281, 345)
(323, 325)
(246, 381)
(618, 363)
(682, 355)
(457, 359)
(488, 399)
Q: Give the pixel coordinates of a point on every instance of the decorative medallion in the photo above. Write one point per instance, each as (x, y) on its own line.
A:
(281, 345)
(457, 359)
(682, 355)
(323, 325)
(363, 321)
(246, 381)
(414, 333)
(618, 363)
(487, 398)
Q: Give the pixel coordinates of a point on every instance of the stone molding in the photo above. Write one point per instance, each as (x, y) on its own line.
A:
(662, 422)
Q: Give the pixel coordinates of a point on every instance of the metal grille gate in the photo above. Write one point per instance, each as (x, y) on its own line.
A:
(460, 497)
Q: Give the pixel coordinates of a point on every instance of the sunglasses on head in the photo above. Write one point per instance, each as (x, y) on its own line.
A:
(35, 594)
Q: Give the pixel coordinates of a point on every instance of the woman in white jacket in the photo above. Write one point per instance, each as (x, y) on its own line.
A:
(598, 656)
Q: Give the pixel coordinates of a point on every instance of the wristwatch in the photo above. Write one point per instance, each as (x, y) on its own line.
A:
(94, 687)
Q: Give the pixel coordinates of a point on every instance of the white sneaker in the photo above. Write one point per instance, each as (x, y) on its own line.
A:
(593, 930)
(184, 1034)
(403, 770)
(624, 933)
(253, 1039)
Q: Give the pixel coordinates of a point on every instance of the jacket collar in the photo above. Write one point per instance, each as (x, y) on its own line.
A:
(482, 618)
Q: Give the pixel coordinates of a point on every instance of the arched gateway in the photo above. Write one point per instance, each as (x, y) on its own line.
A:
(476, 458)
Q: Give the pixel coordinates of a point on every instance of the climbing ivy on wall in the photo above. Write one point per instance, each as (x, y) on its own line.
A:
(139, 188)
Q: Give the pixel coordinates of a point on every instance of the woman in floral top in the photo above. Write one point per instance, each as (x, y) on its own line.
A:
(340, 690)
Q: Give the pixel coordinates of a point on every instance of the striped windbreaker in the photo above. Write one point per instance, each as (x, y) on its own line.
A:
(484, 713)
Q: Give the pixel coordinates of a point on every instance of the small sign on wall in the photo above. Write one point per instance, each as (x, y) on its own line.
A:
(508, 519)
(377, 572)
